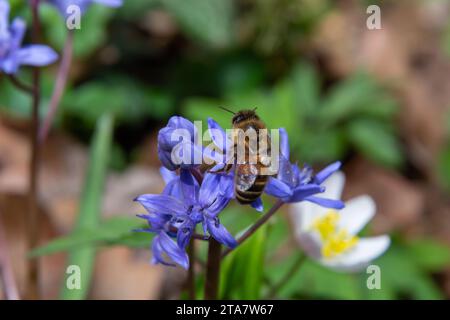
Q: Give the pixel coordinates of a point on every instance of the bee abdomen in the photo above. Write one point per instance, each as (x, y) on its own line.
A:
(252, 193)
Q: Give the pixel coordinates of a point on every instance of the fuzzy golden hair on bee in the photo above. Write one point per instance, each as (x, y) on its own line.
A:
(249, 183)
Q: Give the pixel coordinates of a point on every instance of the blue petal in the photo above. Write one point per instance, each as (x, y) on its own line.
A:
(109, 3)
(36, 55)
(184, 233)
(157, 251)
(278, 188)
(62, 5)
(189, 187)
(173, 188)
(165, 158)
(167, 175)
(258, 205)
(218, 135)
(161, 204)
(157, 222)
(186, 154)
(17, 31)
(177, 122)
(217, 206)
(284, 143)
(326, 172)
(327, 203)
(227, 186)
(218, 232)
(4, 16)
(287, 172)
(175, 253)
(209, 189)
(305, 191)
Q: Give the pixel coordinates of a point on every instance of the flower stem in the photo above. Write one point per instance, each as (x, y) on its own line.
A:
(256, 226)
(295, 266)
(212, 270)
(20, 85)
(60, 84)
(33, 221)
(190, 283)
(6, 268)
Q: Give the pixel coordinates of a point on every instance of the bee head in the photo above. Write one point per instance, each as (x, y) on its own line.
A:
(244, 115)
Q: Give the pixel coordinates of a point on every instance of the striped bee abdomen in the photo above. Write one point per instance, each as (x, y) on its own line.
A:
(249, 185)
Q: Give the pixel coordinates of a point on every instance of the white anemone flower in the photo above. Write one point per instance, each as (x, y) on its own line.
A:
(330, 236)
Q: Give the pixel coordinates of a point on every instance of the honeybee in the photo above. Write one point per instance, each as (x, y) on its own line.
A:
(249, 182)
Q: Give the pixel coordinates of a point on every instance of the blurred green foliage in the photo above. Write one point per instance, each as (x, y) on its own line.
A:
(210, 21)
(90, 205)
(443, 161)
(354, 114)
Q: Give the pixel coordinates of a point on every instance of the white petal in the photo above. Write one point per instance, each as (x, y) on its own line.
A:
(357, 213)
(366, 250)
(311, 244)
(304, 213)
(334, 186)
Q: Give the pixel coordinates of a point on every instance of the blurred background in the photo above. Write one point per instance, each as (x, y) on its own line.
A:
(379, 100)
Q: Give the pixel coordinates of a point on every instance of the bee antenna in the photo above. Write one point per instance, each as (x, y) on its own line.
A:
(254, 109)
(228, 110)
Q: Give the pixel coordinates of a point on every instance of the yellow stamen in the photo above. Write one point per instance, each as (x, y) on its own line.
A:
(335, 240)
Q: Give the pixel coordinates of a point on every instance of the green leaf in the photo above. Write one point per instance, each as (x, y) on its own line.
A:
(17, 103)
(429, 254)
(376, 141)
(132, 239)
(200, 109)
(134, 9)
(117, 230)
(332, 142)
(91, 35)
(444, 167)
(306, 84)
(358, 95)
(210, 21)
(127, 100)
(90, 205)
(313, 281)
(242, 274)
(240, 74)
(401, 275)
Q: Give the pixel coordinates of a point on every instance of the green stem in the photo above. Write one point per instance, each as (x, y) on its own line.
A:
(212, 270)
(32, 220)
(190, 283)
(287, 276)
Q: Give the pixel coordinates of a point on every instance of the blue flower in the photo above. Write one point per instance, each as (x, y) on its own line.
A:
(62, 5)
(178, 145)
(161, 225)
(12, 54)
(293, 184)
(182, 205)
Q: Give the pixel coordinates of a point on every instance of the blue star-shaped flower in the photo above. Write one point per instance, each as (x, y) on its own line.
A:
(12, 54)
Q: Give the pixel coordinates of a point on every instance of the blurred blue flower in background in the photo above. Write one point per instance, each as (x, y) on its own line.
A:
(12, 54)
(62, 5)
